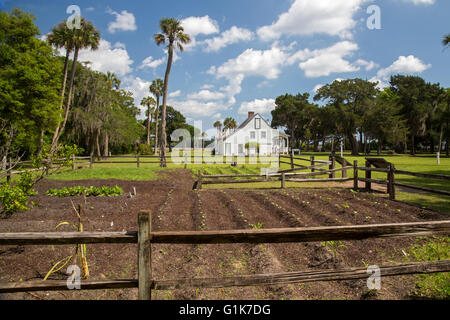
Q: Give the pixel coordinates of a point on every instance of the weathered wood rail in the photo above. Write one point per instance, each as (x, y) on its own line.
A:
(144, 237)
(381, 165)
(292, 175)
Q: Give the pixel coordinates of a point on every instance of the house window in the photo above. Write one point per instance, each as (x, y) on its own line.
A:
(252, 135)
(258, 123)
(241, 149)
(263, 134)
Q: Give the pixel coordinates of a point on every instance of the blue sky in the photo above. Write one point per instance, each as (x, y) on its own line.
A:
(248, 52)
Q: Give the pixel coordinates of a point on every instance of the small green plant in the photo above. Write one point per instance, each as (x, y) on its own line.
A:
(334, 246)
(89, 191)
(257, 226)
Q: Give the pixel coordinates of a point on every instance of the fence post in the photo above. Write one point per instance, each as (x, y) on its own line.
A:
(279, 160)
(355, 175)
(73, 162)
(9, 169)
(137, 162)
(391, 182)
(292, 159)
(283, 180)
(144, 255)
(313, 163)
(368, 176)
(344, 164)
(185, 160)
(91, 161)
(200, 177)
(332, 167)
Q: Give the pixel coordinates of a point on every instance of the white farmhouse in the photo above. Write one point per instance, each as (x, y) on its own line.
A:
(253, 134)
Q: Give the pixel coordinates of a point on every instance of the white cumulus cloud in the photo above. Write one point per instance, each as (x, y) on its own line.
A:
(125, 21)
(262, 106)
(230, 36)
(306, 17)
(406, 65)
(149, 62)
(323, 62)
(207, 95)
(417, 2)
(175, 94)
(194, 26)
(112, 58)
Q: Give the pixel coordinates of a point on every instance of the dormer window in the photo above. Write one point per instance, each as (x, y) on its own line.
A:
(258, 123)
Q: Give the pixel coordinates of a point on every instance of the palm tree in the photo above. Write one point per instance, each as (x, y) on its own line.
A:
(157, 88)
(229, 123)
(446, 40)
(172, 32)
(61, 37)
(218, 126)
(148, 102)
(87, 37)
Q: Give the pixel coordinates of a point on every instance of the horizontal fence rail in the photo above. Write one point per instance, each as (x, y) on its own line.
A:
(279, 235)
(238, 281)
(301, 276)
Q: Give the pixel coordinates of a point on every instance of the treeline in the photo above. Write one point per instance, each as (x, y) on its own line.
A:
(410, 115)
(48, 101)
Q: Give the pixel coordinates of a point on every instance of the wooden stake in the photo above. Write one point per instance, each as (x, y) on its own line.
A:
(199, 184)
(391, 182)
(355, 175)
(368, 176)
(144, 256)
(332, 167)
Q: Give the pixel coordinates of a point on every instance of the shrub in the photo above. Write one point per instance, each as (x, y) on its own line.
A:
(14, 197)
(144, 149)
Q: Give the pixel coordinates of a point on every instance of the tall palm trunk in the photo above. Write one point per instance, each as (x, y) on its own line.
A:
(148, 125)
(156, 124)
(163, 121)
(63, 92)
(69, 100)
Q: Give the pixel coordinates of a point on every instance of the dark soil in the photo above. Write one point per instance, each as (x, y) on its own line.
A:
(176, 207)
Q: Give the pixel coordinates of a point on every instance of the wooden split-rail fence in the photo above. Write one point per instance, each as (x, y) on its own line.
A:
(145, 237)
(317, 170)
